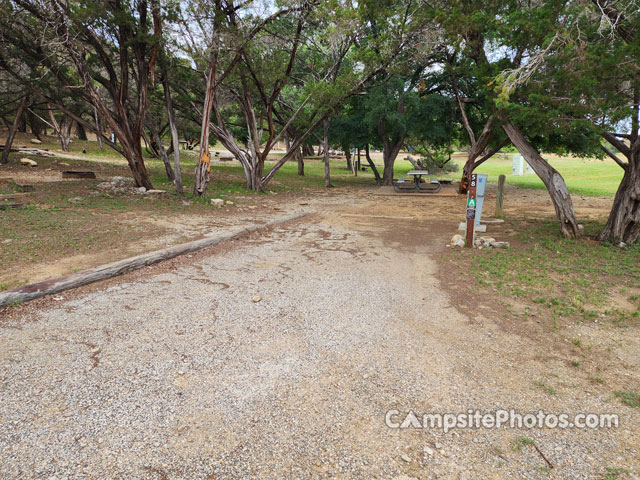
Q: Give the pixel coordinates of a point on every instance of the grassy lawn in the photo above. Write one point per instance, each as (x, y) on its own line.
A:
(566, 280)
(588, 177)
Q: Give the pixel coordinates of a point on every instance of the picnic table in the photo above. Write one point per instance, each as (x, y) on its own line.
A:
(431, 186)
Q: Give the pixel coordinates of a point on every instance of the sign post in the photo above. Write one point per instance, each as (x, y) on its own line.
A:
(471, 209)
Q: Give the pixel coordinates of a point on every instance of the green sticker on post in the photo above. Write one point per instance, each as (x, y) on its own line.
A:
(471, 203)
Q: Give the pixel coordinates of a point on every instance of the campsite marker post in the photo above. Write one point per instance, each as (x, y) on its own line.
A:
(471, 209)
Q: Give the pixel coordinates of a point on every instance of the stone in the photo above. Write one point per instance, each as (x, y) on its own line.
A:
(455, 238)
(438, 445)
(141, 190)
(218, 202)
(35, 141)
(122, 181)
(500, 244)
(229, 202)
(76, 199)
(428, 450)
(256, 299)
(28, 162)
(405, 457)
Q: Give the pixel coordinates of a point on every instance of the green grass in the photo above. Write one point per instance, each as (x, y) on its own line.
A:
(569, 279)
(520, 442)
(588, 177)
(613, 473)
(631, 399)
(547, 388)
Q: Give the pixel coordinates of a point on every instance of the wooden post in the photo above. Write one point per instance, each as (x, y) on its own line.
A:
(12, 133)
(500, 196)
(471, 209)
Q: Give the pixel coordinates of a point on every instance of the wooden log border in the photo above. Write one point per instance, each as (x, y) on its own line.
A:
(55, 285)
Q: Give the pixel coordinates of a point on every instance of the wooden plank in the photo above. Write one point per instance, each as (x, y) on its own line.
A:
(60, 284)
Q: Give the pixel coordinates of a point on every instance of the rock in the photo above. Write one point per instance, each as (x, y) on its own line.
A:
(35, 141)
(405, 457)
(122, 182)
(438, 445)
(229, 202)
(76, 199)
(256, 299)
(218, 202)
(456, 238)
(180, 372)
(428, 450)
(28, 162)
(141, 190)
(499, 244)
(622, 245)
(7, 240)
(487, 239)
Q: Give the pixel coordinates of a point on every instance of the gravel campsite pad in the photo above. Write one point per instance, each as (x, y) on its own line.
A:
(278, 356)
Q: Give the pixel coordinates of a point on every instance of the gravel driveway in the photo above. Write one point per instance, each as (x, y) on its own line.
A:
(180, 373)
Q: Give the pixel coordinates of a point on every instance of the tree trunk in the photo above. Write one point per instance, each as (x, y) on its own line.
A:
(81, 131)
(623, 224)
(300, 159)
(62, 131)
(347, 154)
(390, 153)
(325, 146)
(374, 169)
(203, 167)
(12, 132)
(552, 179)
(471, 164)
(36, 128)
(159, 148)
(98, 129)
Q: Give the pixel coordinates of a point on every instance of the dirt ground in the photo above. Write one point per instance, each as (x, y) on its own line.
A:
(174, 371)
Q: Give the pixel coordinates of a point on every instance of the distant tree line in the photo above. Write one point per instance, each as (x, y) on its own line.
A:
(541, 76)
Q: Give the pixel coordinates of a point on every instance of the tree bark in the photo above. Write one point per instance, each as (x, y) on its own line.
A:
(300, 159)
(157, 140)
(374, 169)
(471, 164)
(175, 140)
(390, 150)
(347, 154)
(36, 129)
(623, 224)
(81, 131)
(552, 179)
(203, 167)
(325, 146)
(14, 129)
(63, 131)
